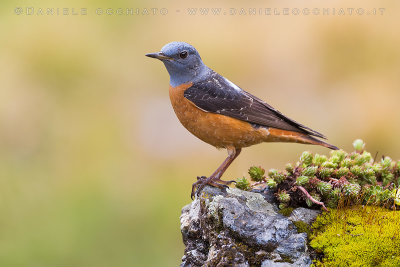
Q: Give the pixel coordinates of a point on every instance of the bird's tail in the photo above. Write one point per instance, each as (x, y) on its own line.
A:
(316, 141)
(278, 135)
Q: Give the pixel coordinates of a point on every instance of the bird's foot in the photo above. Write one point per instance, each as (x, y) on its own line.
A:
(202, 181)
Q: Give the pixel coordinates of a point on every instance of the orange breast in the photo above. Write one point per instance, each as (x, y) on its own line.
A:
(214, 129)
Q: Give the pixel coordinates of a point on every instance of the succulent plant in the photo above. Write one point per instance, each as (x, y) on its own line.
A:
(348, 163)
(256, 173)
(242, 183)
(324, 187)
(283, 197)
(369, 176)
(319, 159)
(329, 164)
(326, 172)
(386, 162)
(306, 158)
(351, 190)
(314, 196)
(367, 157)
(342, 171)
(271, 183)
(356, 170)
(310, 171)
(340, 178)
(359, 145)
(302, 180)
(282, 206)
(277, 176)
(289, 168)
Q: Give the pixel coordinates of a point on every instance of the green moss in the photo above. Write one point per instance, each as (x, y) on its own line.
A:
(357, 236)
(285, 258)
(302, 227)
(354, 178)
(286, 211)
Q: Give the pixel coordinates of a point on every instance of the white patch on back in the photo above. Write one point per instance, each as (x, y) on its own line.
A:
(234, 86)
(265, 130)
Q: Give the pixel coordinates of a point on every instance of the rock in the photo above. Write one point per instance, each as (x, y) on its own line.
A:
(239, 228)
(304, 215)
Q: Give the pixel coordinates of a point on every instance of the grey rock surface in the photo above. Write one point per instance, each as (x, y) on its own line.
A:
(304, 215)
(239, 228)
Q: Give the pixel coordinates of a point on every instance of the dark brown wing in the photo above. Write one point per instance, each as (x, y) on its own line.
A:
(218, 95)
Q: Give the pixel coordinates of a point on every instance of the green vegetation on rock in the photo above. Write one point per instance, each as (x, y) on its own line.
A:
(302, 227)
(243, 184)
(257, 173)
(342, 178)
(357, 236)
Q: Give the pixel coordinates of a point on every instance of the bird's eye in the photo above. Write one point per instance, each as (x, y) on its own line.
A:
(183, 54)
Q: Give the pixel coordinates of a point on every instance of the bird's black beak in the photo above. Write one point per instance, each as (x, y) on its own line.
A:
(159, 55)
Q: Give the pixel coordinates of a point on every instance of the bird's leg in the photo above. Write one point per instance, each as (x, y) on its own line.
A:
(215, 177)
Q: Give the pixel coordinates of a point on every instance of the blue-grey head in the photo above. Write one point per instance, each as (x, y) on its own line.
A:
(182, 61)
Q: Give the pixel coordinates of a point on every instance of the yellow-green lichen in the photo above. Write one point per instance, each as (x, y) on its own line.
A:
(357, 236)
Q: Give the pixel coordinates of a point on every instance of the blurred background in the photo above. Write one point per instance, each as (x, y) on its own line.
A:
(94, 165)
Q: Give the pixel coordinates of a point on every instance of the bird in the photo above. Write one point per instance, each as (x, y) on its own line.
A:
(221, 113)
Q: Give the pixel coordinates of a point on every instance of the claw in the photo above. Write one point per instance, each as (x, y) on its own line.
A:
(192, 195)
(202, 181)
(198, 186)
(194, 185)
(214, 180)
(198, 191)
